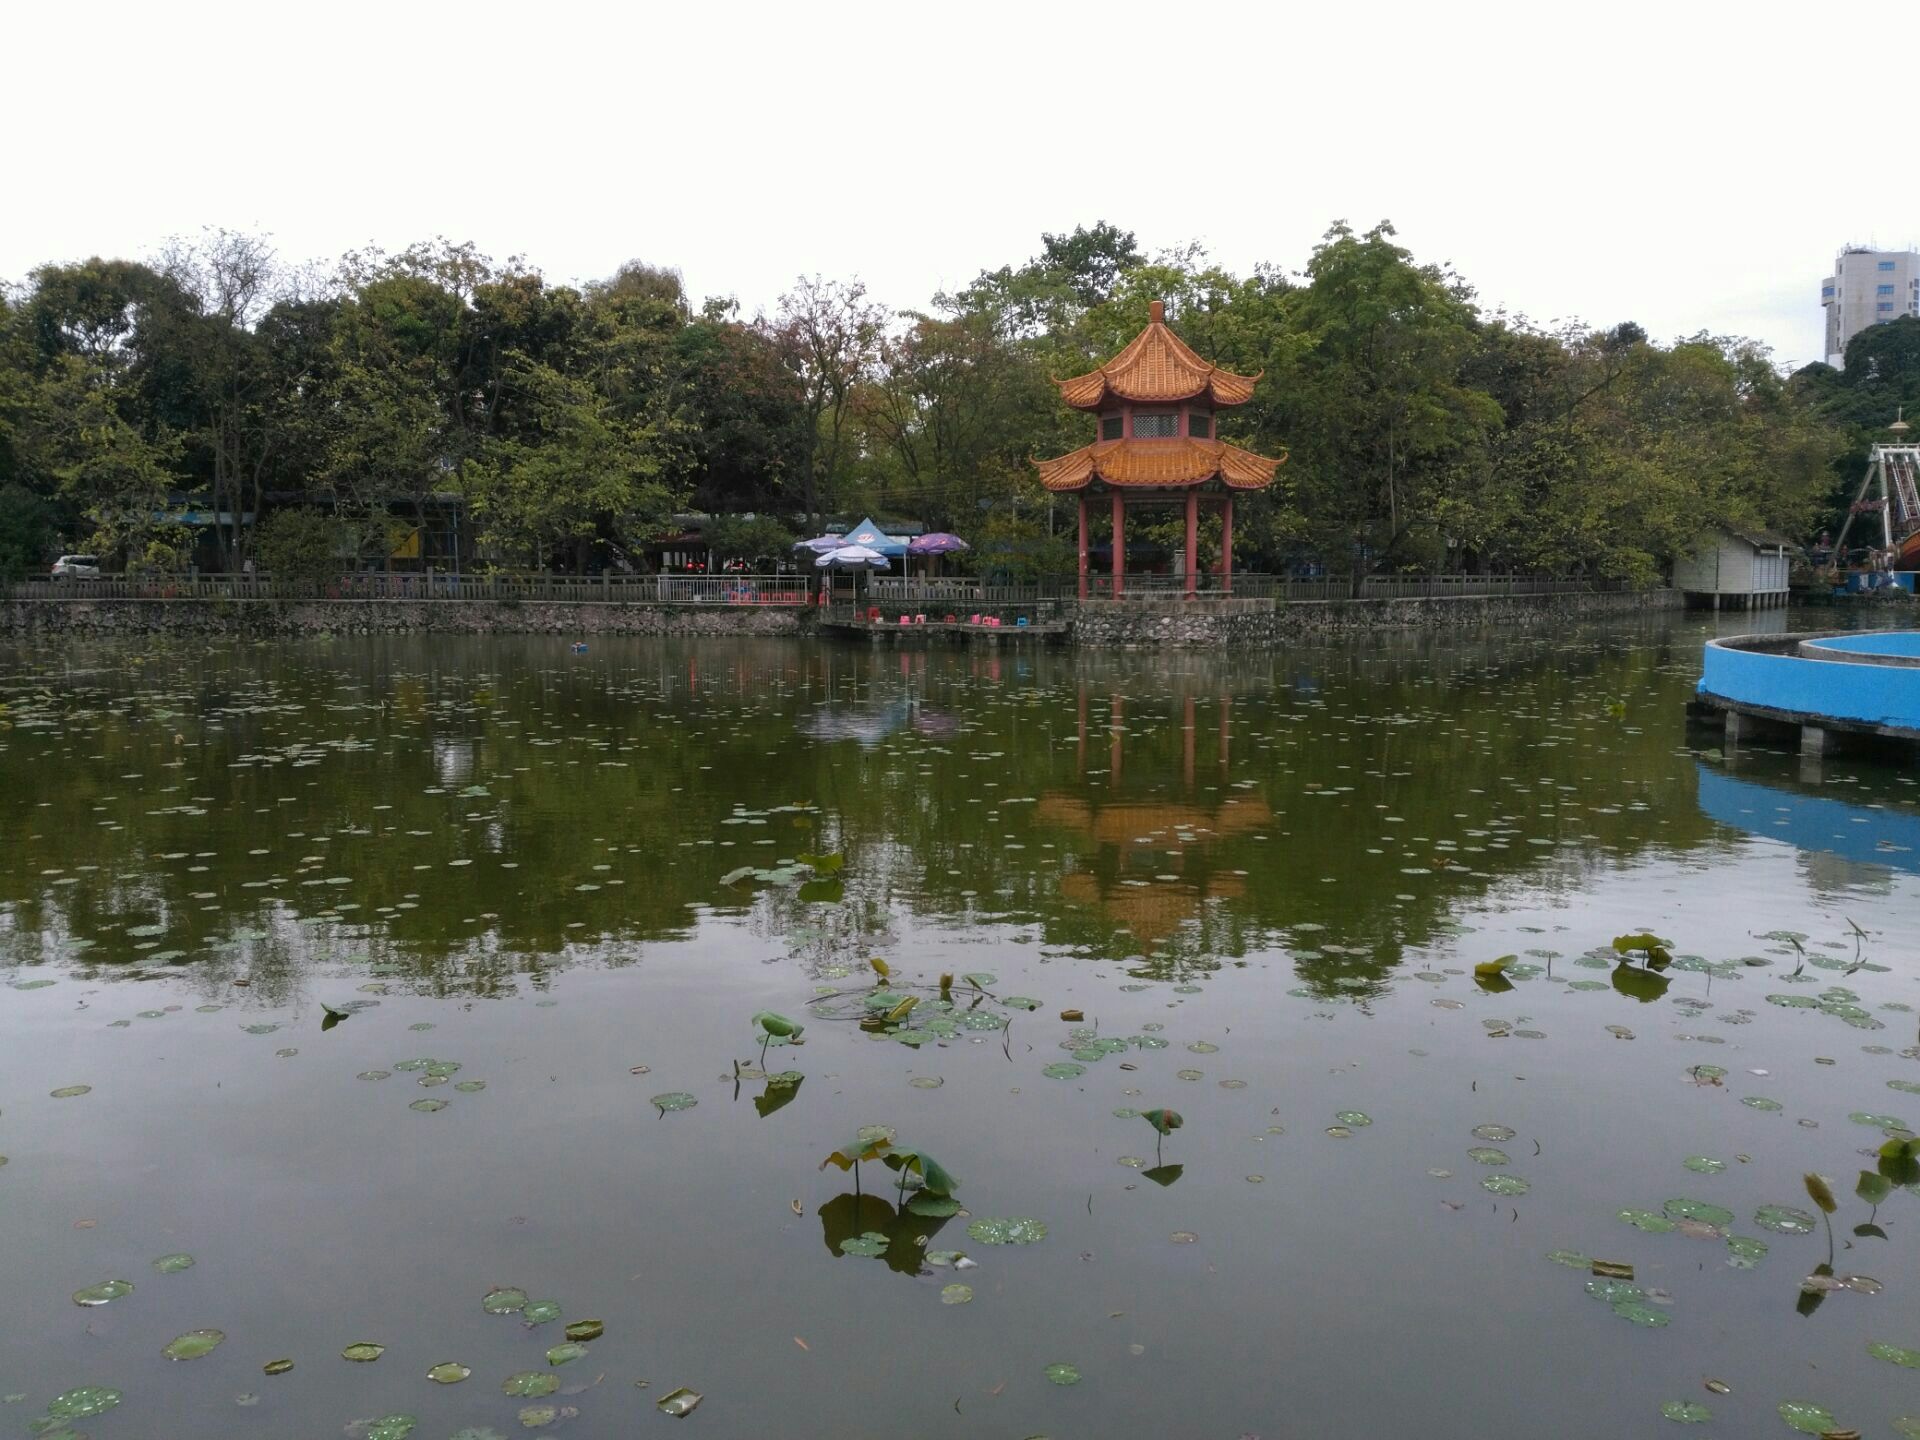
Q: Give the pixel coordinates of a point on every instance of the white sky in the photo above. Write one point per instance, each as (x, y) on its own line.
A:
(1687, 165)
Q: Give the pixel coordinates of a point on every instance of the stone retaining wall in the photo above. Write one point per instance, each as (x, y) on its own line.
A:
(1132, 623)
(378, 617)
(1221, 623)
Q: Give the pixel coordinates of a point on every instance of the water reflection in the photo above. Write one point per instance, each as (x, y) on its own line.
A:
(1845, 844)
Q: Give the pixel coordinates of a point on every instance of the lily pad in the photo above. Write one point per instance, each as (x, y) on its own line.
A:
(1745, 1251)
(1497, 1134)
(1487, 1155)
(1504, 1184)
(100, 1294)
(540, 1312)
(173, 1264)
(870, 1243)
(392, 1427)
(1704, 1165)
(1063, 1374)
(1641, 1313)
(449, 1373)
(83, 1402)
(1063, 1070)
(565, 1354)
(586, 1330)
(934, 1207)
(428, 1105)
(69, 1092)
(277, 1367)
(1353, 1118)
(363, 1352)
(1784, 1220)
(1807, 1417)
(1684, 1209)
(504, 1300)
(1648, 1221)
(1686, 1412)
(955, 1294)
(1015, 1231)
(1895, 1355)
(673, 1100)
(194, 1344)
(530, 1384)
(678, 1403)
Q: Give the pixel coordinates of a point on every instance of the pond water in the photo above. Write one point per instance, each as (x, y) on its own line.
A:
(384, 979)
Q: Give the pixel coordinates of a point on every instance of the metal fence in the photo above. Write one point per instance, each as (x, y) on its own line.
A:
(630, 589)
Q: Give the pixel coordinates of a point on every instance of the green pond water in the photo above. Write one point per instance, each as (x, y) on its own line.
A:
(399, 994)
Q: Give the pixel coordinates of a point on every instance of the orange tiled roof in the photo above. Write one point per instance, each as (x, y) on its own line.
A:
(1177, 462)
(1158, 365)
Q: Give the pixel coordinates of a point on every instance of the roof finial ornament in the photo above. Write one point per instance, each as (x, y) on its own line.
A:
(1899, 425)
(1157, 312)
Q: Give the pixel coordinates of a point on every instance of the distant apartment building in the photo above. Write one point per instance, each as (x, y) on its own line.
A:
(1867, 287)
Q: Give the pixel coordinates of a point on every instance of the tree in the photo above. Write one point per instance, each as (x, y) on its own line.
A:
(299, 545)
(829, 335)
(756, 539)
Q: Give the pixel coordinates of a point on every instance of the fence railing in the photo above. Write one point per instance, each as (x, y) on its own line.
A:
(667, 589)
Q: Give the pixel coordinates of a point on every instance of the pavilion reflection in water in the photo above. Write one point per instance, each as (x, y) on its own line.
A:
(1154, 863)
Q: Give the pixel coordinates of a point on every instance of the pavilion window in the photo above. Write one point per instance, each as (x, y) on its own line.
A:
(1200, 425)
(1112, 427)
(1156, 427)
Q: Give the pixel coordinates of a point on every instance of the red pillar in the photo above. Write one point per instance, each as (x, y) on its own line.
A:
(1193, 538)
(1226, 545)
(1083, 544)
(1119, 543)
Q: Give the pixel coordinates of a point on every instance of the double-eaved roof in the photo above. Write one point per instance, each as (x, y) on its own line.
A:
(1157, 366)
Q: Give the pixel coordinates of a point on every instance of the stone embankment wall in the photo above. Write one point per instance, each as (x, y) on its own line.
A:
(383, 617)
(1221, 623)
(1132, 623)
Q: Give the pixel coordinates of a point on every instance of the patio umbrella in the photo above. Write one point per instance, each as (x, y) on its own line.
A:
(820, 544)
(938, 543)
(853, 557)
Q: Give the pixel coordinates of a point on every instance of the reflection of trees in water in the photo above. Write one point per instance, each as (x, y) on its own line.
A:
(1171, 811)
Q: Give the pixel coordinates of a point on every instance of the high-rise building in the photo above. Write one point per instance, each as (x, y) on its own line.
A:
(1867, 287)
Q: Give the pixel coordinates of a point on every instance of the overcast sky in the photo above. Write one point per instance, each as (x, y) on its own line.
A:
(1686, 165)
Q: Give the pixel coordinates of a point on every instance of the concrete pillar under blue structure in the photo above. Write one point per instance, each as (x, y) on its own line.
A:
(1815, 740)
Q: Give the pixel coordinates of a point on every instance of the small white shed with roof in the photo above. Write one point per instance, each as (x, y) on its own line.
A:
(1736, 567)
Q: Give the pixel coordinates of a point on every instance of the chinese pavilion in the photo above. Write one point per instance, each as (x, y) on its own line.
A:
(1156, 401)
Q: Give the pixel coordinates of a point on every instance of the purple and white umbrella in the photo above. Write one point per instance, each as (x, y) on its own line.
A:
(938, 543)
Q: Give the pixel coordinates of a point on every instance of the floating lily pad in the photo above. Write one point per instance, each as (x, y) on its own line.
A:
(1745, 1251)
(586, 1330)
(1063, 1374)
(1015, 1231)
(363, 1352)
(538, 1417)
(504, 1300)
(428, 1106)
(1573, 1259)
(1807, 1417)
(1487, 1155)
(530, 1384)
(1504, 1184)
(277, 1367)
(1612, 1292)
(565, 1354)
(1684, 1209)
(1648, 1221)
(1063, 1070)
(1704, 1164)
(1641, 1313)
(1354, 1118)
(173, 1264)
(678, 1403)
(926, 1082)
(105, 1291)
(194, 1344)
(934, 1207)
(374, 1075)
(1761, 1102)
(871, 1243)
(539, 1312)
(1895, 1355)
(392, 1427)
(1882, 1122)
(1784, 1220)
(1686, 1412)
(955, 1294)
(69, 1092)
(1498, 1134)
(83, 1402)
(673, 1100)
(450, 1373)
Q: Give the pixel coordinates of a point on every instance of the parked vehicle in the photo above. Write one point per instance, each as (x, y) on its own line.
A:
(76, 567)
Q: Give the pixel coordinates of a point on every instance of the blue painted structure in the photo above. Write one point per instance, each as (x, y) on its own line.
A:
(1904, 643)
(1763, 675)
(1882, 836)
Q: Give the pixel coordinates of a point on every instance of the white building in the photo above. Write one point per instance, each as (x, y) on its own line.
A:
(1743, 569)
(1867, 287)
